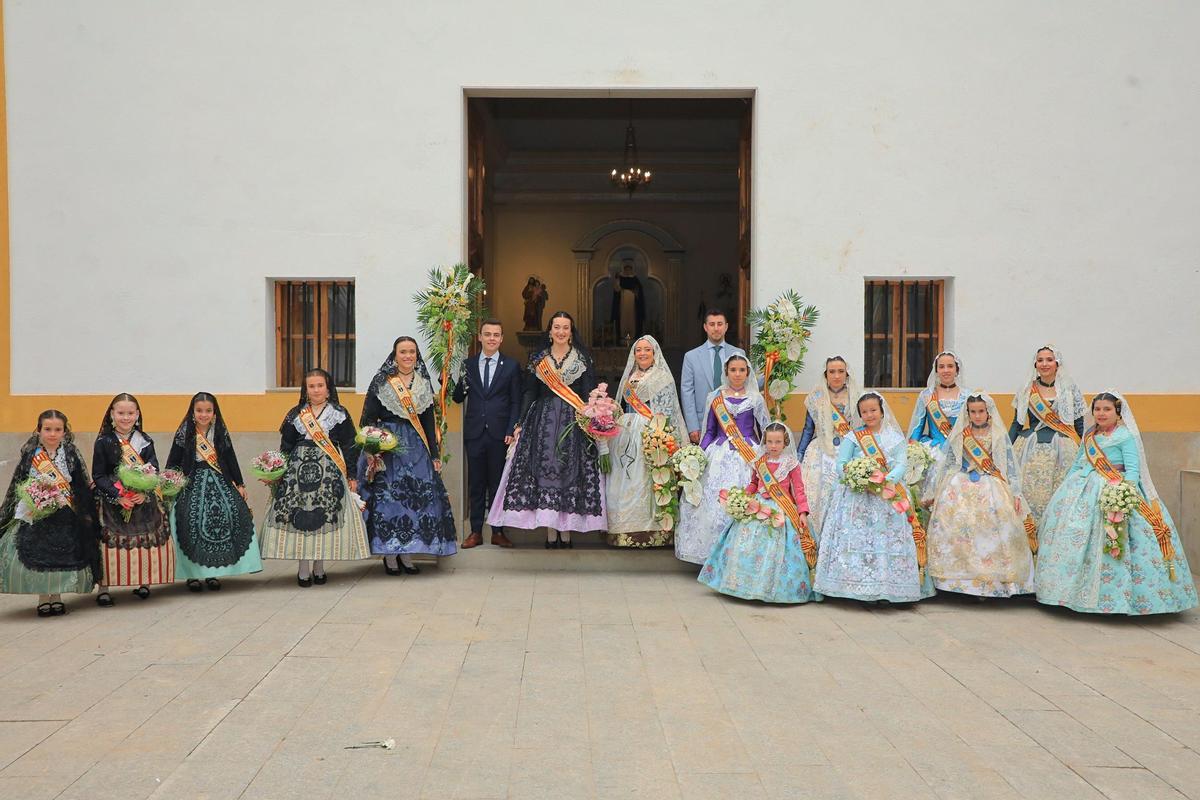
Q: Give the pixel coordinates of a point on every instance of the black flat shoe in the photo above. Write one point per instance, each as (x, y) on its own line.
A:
(551, 545)
(142, 592)
(213, 584)
(304, 583)
(104, 600)
(195, 585)
(413, 570)
(58, 609)
(319, 580)
(569, 544)
(391, 570)
(44, 610)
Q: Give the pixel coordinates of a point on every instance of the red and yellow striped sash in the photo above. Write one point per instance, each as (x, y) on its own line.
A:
(133, 458)
(729, 425)
(553, 379)
(938, 416)
(1151, 513)
(45, 465)
(321, 438)
(205, 450)
(774, 488)
(637, 403)
(1045, 412)
(405, 397)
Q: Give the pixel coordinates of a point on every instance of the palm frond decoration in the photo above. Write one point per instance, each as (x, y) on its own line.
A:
(781, 333)
(448, 313)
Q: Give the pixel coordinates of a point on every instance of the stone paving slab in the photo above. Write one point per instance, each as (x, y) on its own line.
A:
(588, 673)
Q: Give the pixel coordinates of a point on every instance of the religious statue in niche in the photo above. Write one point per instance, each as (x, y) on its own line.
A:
(628, 313)
(535, 296)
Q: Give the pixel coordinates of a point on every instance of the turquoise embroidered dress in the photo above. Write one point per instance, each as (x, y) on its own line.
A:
(1073, 569)
(756, 561)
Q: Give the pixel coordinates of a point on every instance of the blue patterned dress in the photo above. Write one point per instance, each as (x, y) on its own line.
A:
(867, 550)
(922, 429)
(756, 561)
(408, 510)
(1075, 571)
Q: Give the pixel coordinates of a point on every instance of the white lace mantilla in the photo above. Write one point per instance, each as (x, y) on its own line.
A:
(421, 391)
(330, 418)
(573, 367)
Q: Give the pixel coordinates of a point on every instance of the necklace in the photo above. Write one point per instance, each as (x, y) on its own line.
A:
(1049, 385)
(558, 363)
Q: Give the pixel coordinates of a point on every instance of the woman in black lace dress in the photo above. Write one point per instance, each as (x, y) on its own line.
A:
(550, 479)
(314, 516)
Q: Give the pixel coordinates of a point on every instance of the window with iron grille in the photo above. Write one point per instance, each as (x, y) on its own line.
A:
(314, 327)
(902, 330)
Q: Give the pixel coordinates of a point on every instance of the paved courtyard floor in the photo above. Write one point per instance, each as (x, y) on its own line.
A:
(498, 677)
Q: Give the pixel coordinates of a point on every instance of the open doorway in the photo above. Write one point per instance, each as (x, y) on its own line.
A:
(548, 230)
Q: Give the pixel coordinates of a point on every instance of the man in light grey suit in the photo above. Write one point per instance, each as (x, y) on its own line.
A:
(702, 368)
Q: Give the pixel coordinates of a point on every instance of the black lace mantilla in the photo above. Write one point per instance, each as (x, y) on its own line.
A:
(309, 496)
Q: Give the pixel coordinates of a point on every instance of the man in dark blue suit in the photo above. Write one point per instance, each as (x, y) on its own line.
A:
(491, 386)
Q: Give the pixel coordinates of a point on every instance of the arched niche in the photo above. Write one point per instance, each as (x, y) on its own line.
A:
(605, 331)
(663, 256)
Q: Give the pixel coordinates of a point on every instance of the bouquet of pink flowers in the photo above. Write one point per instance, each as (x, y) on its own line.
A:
(269, 467)
(43, 495)
(743, 507)
(599, 417)
(171, 483)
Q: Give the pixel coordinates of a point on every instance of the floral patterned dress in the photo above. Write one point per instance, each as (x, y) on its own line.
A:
(756, 561)
(1073, 569)
(977, 542)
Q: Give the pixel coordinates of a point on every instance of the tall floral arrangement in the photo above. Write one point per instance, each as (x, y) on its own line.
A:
(660, 442)
(448, 312)
(781, 334)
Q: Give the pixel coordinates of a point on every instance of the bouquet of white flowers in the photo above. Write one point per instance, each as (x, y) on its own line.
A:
(1118, 500)
(862, 473)
(689, 464)
(781, 333)
(920, 457)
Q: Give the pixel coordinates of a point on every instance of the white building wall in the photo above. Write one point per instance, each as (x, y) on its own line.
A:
(167, 156)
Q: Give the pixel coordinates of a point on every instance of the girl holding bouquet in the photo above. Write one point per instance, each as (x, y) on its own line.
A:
(831, 418)
(48, 536)
(1047, 427)
(552, 477)
(1108, 545)
(762, 556)
(407, 510)
(211, 524)
(135, 538)
(314, 515)
(938, 407)
(868, 550)
(647, 389)
(978, 543)
(736, 417)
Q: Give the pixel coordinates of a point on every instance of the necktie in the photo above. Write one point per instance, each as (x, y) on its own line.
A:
(487, 372)
(716, 365)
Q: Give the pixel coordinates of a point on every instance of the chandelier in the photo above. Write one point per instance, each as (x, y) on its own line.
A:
(631, 175)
